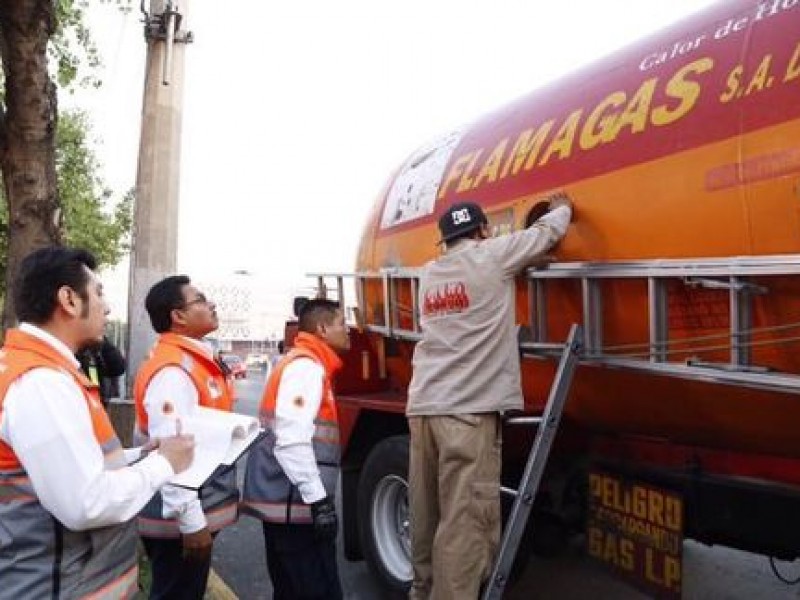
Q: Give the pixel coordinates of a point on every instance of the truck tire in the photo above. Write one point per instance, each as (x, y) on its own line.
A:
(383, 513)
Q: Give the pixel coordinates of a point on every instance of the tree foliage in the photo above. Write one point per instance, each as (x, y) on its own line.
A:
(85, 197)
(89, 220)
(72, 49)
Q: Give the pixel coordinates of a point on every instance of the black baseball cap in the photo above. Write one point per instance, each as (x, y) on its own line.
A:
(460, 219)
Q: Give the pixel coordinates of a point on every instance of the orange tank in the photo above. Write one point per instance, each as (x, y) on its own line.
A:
(681, 156)
(685, 146)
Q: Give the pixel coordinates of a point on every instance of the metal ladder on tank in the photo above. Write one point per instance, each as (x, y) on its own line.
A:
(743, 278)
(547, 427)
(546, 424)
(585, 344)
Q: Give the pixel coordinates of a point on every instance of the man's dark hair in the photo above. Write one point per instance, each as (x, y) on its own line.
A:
(42, 273)
(315, 312)
(163, 298)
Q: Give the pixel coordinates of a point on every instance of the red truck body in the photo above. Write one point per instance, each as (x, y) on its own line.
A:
(679, 151)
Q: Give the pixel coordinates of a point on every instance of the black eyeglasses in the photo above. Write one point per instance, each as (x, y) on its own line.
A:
(201, 299)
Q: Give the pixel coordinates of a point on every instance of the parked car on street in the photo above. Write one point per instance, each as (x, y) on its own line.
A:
(255, 360)
(235, 364)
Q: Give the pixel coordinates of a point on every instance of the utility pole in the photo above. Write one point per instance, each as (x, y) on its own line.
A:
(155, 225)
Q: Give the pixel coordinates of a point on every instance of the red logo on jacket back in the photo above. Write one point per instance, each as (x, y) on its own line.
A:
(446, 299)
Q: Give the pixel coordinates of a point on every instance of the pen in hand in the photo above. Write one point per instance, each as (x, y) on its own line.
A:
(178, 450)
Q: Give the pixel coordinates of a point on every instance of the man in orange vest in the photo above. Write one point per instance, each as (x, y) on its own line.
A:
(290, 482)
(180, 375)
(67, 494)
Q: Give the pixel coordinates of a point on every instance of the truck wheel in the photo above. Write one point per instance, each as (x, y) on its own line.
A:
(383, 513)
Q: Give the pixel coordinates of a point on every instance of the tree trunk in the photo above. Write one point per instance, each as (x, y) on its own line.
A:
(27, 133)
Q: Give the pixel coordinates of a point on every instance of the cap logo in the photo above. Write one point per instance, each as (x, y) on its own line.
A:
(461, 216)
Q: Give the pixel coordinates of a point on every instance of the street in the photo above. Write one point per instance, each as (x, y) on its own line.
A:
(709, 573)
(239, 550)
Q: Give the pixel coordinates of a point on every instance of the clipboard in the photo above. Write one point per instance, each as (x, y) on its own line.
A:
(221, 438)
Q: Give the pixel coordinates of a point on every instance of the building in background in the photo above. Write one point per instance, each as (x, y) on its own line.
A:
(248, 324)
(252, 310)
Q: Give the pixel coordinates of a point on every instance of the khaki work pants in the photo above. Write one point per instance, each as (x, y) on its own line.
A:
(454, 489)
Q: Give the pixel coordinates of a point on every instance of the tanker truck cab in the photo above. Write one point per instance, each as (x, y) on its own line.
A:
(682, 268)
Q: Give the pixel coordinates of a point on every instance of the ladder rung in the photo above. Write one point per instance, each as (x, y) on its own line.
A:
(730, 368)
(524, 421)
(543, 347)
(509, 491)
(403, 334)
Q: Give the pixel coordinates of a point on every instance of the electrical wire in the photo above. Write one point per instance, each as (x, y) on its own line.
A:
(700, 349)
(704, 338)
(645, 346)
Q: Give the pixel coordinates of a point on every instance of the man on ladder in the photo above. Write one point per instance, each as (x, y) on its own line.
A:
(466, 373)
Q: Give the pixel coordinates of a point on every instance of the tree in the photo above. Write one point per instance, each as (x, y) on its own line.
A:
(27, 131)
(33, 35)
(85, 198)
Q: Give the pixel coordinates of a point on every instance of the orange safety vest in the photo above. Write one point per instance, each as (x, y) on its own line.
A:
(54, 561)
(219, 495)
(268, 494)
(214, 389)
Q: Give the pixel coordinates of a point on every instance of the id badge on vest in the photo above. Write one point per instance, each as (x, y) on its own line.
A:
(213, 388)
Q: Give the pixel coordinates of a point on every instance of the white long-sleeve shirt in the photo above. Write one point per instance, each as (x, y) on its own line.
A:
(47, 423)
(172, 385)
(296, 407)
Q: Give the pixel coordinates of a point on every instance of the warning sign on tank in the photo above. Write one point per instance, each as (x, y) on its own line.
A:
(413, 192)
(637, 529)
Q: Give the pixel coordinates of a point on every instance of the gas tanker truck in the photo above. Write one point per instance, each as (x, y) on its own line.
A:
(681, 155)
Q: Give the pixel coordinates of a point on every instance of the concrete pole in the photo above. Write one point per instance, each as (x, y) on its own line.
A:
(155, 227)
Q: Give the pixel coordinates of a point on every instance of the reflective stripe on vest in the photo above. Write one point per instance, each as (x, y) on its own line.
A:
(217, 519)
(219, 497)
(268, 494)
(40, 558)
(121, 589)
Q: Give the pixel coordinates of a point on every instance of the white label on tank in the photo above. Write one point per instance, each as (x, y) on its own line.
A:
(413, 193)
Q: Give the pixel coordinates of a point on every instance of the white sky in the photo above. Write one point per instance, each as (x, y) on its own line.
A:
(296, 113)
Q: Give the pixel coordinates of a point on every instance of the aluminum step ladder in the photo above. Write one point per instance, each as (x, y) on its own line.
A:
(547, 427)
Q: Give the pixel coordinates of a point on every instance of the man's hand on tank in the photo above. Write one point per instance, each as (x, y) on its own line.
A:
(560, 199)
